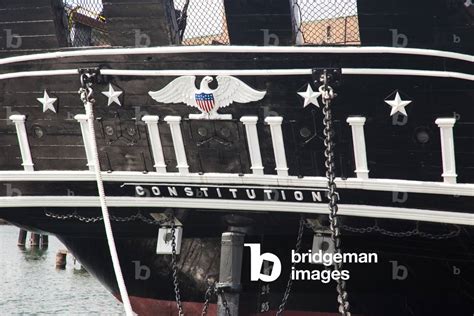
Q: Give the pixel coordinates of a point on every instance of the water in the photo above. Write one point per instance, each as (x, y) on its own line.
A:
(31, 285)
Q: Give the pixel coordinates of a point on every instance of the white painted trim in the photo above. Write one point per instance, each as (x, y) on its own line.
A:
(407, 72)
(447, 148)
(245, 72)
(238, 49)
(82, 119)
(278, 144)
(155, 142)
(250, 123)
(237, 205)
(358, 144)
(175, 126)
(388, 185)
(19, 121)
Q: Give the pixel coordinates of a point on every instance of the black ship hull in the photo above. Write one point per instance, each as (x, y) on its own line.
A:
(402, 123)
(401, 283)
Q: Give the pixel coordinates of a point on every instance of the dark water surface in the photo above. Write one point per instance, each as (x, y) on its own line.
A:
(30, 284)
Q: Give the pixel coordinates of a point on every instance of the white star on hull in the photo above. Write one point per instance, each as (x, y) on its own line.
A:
(47, 102)
(310, 96)
(112, 95)
(398, 105)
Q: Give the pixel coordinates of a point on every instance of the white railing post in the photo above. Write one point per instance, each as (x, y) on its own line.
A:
(447, 148)
(278, 144)
(155, 142)
(358, 143)
(19, 121)
(174, 123)
(250, 123)
(82, 119)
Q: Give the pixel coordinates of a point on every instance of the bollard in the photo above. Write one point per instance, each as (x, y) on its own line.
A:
(232, 247)
(44, 241)
(34, 240)
(61, 256)
(22, 238)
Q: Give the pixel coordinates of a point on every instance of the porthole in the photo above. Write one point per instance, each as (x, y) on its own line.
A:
(305, 132)
(202, 131)
(38, 132)
(109, 130)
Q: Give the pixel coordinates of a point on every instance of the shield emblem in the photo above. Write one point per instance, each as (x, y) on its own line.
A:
(205, 101)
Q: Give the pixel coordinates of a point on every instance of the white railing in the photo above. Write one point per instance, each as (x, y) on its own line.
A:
(362, 180)
(19, 121)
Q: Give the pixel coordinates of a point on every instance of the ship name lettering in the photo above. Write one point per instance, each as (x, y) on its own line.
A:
(230, 193)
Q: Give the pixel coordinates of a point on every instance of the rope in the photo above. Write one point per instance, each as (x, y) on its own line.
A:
(86, 93)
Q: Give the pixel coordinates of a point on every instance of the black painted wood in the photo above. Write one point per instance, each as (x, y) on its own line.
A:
(393, 151)
(139, 23)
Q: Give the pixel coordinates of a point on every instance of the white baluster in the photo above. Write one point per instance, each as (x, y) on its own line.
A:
(250, 123)
(278, 144)
(82, 119)
(358, 143)
(447, 148)
(174, 123)
(155, 142)
(19, 121)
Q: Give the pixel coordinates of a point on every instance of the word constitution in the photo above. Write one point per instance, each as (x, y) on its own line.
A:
(229, 192)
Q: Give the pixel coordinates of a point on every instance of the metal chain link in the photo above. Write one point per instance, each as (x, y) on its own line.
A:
(174, 266)
(221, 293)
(328, 96)
(75, 215)
(286, 295)
(211, 290)
(410, 233)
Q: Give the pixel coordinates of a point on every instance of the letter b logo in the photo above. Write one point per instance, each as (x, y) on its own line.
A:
(256, 263)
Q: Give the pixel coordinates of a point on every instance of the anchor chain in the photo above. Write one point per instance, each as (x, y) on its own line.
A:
(403, 234)
(328, 95)
(174, 266)
(221, 293)
(211, 290)
(207, 298)
(286, 295)
(74, 215)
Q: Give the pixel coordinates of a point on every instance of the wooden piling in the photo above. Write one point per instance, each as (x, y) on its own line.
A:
(44, 241)
(22, 238)
(61, 256)
(34, 240)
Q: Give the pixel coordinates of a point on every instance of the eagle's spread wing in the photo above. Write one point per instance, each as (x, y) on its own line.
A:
(231, 89)
(180, 90)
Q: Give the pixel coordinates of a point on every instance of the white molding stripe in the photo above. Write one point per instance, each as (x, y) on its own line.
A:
(237, 49)
(250, 123)
(392, 185)
(175, 126)
(245, 72)
(358, 145)
(278, 144)
(155, 142)
(237, 205)
(27, 161)
(447, 148)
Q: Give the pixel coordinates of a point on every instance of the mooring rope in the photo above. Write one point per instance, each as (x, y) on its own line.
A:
(86, 97)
